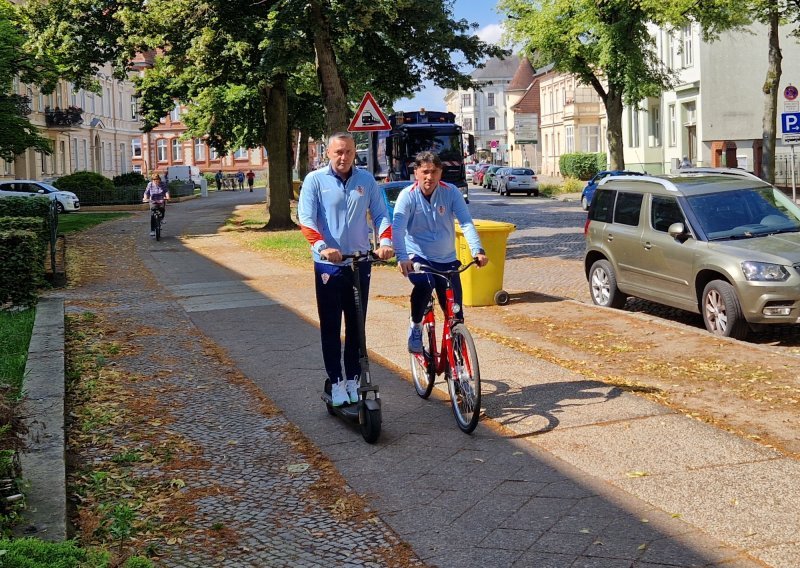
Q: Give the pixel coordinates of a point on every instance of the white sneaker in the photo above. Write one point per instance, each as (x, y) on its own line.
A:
(339, 394)
(152, 233)
(351, 386)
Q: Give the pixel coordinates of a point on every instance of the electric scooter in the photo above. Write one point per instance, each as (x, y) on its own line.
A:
(367, 411)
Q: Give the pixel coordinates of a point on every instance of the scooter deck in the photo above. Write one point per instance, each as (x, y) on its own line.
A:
(349, 411)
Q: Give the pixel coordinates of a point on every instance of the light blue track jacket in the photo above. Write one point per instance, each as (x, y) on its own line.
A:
(426, 228)
(333, 213)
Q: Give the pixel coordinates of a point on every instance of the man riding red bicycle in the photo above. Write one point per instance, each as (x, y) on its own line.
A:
(423, 231)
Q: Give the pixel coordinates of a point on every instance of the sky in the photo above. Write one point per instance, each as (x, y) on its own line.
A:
(482, 12)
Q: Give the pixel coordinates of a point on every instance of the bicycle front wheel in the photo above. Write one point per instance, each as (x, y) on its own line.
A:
(158, 229)
(464, 380)
(423, 365)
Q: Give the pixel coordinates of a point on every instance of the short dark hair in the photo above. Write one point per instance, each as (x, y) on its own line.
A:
(428, 158)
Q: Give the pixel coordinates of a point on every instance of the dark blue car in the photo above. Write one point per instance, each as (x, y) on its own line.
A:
(588, 191)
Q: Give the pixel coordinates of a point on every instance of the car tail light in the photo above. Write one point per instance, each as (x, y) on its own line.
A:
(586, 227)
(534, 178)
(510, 178)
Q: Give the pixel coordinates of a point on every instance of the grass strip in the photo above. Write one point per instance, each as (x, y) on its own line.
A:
(15, 336)
(75, 222)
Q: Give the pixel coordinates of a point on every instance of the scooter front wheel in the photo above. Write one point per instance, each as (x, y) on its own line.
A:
(370, 425)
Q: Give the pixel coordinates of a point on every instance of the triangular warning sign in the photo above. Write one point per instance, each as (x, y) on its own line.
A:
(369, 116)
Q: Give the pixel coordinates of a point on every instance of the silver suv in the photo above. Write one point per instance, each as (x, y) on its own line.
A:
(725, 245)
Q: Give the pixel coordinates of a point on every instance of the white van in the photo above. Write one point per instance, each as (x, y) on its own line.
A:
(185, 173)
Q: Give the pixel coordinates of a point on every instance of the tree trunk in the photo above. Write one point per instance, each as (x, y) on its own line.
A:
(613, 103)
(770, 90)
(274, 102)
(302, 155)
(333, 91)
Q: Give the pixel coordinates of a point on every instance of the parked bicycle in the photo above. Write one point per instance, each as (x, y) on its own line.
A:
(456, 358)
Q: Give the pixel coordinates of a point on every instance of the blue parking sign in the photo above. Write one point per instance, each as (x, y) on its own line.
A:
(790, 122)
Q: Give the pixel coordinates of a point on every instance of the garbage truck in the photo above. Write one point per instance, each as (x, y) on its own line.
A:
(413, 132)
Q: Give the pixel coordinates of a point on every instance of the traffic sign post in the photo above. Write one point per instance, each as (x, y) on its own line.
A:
(790, 133)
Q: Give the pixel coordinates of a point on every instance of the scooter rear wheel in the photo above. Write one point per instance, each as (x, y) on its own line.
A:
(370, 425)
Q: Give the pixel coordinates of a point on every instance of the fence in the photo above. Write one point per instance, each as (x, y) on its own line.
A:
(128, 195)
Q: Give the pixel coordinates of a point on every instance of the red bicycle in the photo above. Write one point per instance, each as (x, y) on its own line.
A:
(457, 357)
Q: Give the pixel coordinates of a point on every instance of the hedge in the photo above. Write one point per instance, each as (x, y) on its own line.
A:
(35, 224)
(129, 179)
(25, 207)
(581, 165)
(22, 269)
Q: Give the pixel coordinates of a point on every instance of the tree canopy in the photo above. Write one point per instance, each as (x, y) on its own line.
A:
(607, 44)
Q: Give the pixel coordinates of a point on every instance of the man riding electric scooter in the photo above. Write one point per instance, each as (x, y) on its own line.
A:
(332, 210)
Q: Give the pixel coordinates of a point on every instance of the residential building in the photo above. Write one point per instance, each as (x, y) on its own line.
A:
(523, 114)
(87, 130)
(482, 112)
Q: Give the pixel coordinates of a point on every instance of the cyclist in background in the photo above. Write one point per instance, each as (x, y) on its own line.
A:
(423, 230)
(157, 194)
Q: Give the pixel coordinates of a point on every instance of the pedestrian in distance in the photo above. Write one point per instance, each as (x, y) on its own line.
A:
(251, 178)
(240, 179)
(157, 194)
(218, 178)
(685, 163)
(332, 211)
(423, 230)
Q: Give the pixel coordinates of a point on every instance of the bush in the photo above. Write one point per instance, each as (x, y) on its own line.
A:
(129, 179)
(580, 165)
(22, 269)
(35, 224)
(25, 207)
(84, 180)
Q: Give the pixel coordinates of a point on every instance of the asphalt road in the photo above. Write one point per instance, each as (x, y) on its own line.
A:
(545, 255)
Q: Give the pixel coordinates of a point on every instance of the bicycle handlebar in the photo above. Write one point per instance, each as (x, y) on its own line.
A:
(359, 256)
(419, 266)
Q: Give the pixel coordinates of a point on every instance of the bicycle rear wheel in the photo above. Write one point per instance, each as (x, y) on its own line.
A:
(423, 365)
(464, 381)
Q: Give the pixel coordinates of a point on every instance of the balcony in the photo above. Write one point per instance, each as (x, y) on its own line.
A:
(70, 117)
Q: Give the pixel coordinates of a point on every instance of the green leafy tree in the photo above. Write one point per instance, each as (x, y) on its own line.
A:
(17, 134)
(606, 44)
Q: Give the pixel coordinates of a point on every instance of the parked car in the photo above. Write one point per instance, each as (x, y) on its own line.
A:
(477, 178)
(498, 175)
(469, 171)
(518, 180)
(65, 200)
(725, 246)
(487, 177)
(588, 191)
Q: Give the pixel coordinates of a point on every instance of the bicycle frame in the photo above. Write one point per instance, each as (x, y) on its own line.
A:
(443, 358)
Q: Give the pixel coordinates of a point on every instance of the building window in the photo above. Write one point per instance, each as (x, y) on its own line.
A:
(570, 139)
(199, 150)
(466, 100)
(74, 165)
(134, 108)
(85, 153)
(655, 127)
(467, 124)
(161, 150)
(62, 157)
(213, 153)
(136, 147)
(688, 53)
(240, 154)
(590, 138)
(107, 103)
(175, 114)
(633, 127)
(123, 159)
(490, 99)
(108, 162)
(673, 126)
(177, 155)
(491, 123)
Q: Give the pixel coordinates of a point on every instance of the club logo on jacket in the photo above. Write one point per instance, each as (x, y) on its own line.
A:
(360, 189)
(441, 209)
(325, 278)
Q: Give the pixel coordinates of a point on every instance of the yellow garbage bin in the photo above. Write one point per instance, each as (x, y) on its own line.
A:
(484, 286)
(296, 184)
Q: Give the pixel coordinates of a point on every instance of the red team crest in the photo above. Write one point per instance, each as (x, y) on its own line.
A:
(441, 209)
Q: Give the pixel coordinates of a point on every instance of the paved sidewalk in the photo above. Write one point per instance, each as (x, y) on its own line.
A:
(565, 471)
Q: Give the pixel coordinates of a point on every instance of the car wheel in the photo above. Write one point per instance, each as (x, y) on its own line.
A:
(603, 286)
(584, 204)
(536, 193)
(59, 207)
(722, 312)
(529, 194)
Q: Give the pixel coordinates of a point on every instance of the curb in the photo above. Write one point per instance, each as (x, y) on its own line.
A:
(43, 462)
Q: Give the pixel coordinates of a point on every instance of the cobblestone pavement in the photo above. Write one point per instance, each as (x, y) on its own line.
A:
(250, 472)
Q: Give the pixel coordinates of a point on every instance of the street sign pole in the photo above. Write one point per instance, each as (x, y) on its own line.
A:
(794, 187)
